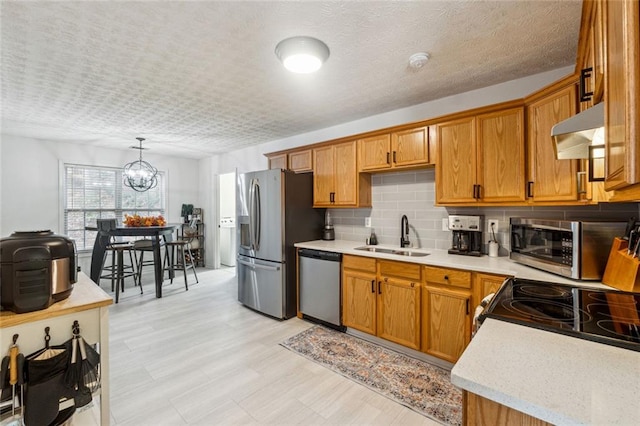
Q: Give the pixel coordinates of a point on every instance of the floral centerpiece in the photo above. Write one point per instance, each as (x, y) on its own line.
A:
(137, 220)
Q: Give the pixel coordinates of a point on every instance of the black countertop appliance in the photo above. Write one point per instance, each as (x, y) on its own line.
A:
(38, 268)
(598, 314)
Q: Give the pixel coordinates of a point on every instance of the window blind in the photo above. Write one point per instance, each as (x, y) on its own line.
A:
(92, 193)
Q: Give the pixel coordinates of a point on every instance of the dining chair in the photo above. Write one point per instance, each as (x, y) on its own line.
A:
(117, 270)
(179, 257)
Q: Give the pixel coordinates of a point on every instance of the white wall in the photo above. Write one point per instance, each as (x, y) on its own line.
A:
(251, 159)
(228, 195)
(30, 192)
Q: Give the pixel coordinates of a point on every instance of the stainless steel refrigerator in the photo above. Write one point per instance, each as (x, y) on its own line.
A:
(274, 211)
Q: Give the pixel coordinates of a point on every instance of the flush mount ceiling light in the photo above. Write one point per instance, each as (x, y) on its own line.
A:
(140, 175)
(418, 60)
(302, 54)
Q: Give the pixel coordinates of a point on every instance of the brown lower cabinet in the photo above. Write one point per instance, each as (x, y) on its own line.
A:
(446, 312)
(359, 293)
(399, 303)
(382, 298)
(480, 411)
(426, 308)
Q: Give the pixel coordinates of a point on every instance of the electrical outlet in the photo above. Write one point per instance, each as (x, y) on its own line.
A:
(495, 224)
(445, 223)
(367, 222)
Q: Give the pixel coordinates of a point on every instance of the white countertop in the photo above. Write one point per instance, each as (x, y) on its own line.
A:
(491, 265)
(560, 379)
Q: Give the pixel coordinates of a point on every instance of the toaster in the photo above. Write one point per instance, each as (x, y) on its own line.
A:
(38, 268)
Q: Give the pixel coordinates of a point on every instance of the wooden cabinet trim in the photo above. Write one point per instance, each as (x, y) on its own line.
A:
(409, 271)
(359, 262)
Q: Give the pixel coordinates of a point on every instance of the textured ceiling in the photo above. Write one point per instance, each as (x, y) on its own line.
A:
(200, 78)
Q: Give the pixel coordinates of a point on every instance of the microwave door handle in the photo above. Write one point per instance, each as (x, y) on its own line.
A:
(258, 216)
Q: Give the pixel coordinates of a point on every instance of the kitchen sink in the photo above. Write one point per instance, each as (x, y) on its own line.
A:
(399, 252)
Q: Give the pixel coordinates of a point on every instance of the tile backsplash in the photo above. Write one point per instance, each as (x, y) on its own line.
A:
(412, 193)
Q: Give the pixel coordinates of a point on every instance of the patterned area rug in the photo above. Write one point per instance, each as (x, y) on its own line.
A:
(416, 384)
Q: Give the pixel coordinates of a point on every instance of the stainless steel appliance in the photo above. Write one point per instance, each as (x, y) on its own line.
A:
(575, 135)
(328, 233)
(38, 268)
(466, 235)
(319, 284)
(573, 249)
(605, 316)
(274, 211)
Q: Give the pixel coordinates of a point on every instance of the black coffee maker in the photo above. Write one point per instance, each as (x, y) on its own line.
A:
(466, 235)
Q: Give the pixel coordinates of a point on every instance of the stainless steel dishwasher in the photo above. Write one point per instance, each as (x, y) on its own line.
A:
(320, 286)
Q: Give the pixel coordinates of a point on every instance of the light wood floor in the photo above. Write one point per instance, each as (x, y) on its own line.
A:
(201, 358)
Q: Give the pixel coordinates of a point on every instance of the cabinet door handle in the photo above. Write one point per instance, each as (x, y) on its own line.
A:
(584, 74)
(530, 189)
(373, 284)
(413, 285)
(394, 157)
(468, 307)
(332, 197)
(446, 277)
(379, 287)
(476, 192)
(388, 158)
(580, 177)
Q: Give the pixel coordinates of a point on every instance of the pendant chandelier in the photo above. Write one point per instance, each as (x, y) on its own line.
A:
(140, 175)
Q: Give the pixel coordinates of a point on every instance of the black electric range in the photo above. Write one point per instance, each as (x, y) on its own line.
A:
(606, 316)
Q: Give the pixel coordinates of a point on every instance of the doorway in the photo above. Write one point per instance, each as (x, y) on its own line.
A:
(227, 219)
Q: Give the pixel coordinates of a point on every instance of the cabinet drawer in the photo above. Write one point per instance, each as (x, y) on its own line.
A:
(359, 262)
(445, 276)
(400, 269)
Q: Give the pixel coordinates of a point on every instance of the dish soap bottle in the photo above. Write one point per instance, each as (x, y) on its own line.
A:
(373, 240)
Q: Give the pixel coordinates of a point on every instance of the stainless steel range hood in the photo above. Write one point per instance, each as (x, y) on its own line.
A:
(574, 135)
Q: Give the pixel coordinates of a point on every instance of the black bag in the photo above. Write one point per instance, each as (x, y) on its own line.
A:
(46, 388)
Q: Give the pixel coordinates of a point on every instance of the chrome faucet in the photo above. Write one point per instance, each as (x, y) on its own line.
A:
(404, 232)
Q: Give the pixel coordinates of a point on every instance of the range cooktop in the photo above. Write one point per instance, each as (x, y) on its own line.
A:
(606, 316)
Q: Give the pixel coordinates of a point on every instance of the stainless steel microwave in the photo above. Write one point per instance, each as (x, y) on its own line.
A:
(574, 249)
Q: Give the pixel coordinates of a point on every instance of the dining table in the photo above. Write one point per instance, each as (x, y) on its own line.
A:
(154, 233)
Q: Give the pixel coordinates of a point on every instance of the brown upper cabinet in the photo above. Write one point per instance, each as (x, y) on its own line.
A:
(590, 64)
(549, 179)
(336, 181)
(278, 161)
(481, 158)
(402, 149)
(301, 161)
(298, 161)
(622, 102)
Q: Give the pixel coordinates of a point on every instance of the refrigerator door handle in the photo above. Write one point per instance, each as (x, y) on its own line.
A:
(251, 214)
(256, 266)
(258, 218)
